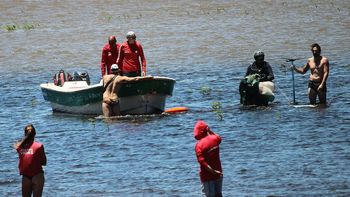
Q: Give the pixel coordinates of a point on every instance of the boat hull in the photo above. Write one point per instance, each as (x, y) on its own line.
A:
(142, 104)
(89, 109)
(80, 100)
(145, 96)
(141, 97)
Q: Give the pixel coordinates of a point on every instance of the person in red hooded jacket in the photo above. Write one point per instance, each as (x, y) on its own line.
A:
(31, 159)
(130, 54)
(208, 156)
(109, 55)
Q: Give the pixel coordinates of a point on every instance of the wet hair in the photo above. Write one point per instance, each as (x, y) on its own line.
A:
(28, 138)
(26, 128)
(316, 45)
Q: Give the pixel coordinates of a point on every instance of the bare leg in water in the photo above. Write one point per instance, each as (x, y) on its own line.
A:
(33, 186)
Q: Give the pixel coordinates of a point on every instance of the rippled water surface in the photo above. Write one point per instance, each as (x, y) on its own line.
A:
(204, 45)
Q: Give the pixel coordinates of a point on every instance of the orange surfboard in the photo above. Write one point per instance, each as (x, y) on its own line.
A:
(176, 109)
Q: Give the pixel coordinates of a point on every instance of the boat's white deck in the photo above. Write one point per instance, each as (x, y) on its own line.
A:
(69, 86)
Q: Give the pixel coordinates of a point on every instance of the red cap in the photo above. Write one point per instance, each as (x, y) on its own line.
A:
(200, 129)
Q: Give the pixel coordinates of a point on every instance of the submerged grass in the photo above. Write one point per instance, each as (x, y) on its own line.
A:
(205, 90)
(28, 26)
(10, 27)
(109, 18)
(216, 105)
(14, 27)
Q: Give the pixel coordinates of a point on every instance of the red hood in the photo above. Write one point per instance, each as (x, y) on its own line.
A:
(200, 130)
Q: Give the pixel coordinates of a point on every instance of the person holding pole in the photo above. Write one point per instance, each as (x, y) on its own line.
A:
(319, 67)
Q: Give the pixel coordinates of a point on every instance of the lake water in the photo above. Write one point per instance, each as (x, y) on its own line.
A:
(204, 45)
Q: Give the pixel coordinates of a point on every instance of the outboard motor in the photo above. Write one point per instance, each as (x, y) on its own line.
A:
(76, 76)
(85, 77)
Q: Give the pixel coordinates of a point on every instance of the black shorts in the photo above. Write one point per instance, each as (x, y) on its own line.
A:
(314, 85)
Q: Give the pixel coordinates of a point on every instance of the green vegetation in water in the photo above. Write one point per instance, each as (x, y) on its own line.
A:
(108, 18)
(278, 115)
(205, 90)
(28, 26)
(217, 109)
(14, 27)
(10, 27)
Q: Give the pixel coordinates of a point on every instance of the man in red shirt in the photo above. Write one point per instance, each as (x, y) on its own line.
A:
(129, 57)
(208, 156)
(109, 55)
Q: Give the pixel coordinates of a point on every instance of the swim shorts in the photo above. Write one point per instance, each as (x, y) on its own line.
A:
(314, 85)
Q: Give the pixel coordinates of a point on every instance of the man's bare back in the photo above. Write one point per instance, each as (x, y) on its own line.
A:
(110, 94)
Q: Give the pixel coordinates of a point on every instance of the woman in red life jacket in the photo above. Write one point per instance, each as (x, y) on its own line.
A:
(31, 159)
(130, 54)
(208, 155)
(109, 55)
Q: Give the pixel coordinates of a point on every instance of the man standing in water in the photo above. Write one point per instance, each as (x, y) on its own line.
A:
(319, 67)
(208, 156)
(261, 67)
(257, 87)
(111, 86)
(109, 55)
(129, 57)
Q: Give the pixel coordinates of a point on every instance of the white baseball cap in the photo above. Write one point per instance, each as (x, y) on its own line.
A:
(130, 34)
(114, 67)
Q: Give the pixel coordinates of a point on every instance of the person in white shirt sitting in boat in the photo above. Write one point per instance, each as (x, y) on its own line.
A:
(111, 86)
(257, 86)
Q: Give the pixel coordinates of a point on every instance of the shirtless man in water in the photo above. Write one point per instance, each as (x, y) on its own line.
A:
(319, 67)
(111, 85)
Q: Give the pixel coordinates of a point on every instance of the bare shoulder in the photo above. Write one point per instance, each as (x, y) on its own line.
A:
(308, 62)
(324, 59)
(107, 77)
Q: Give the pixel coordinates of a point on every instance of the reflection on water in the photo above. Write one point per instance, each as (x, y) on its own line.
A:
(279, 150)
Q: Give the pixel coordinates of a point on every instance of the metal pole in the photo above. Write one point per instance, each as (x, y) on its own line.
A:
(293, 83)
